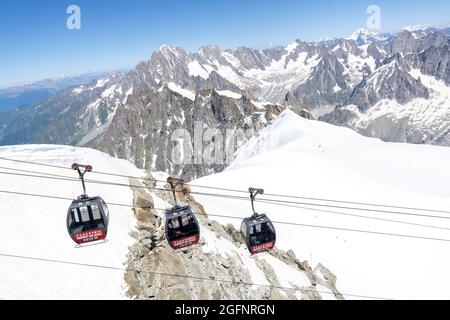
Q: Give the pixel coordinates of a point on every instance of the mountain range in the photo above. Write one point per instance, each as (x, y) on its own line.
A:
(390, 86)
(31, 93)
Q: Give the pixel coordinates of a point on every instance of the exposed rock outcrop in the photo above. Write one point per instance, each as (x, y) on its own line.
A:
(166, 131)
(206, 272)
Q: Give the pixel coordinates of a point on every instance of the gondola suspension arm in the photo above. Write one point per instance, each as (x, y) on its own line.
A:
(253, 193)
(174, 183)
(82, 169)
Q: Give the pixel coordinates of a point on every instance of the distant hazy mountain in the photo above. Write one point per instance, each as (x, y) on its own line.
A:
(364, 36)
(31, 93)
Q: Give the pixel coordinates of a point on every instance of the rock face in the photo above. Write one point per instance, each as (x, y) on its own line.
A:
(391, 82)
(71, 116)
(149, 129)
(406, 98)
(207, 272)
(434, 61)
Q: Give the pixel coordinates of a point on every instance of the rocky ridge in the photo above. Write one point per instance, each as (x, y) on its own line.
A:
(210, 272)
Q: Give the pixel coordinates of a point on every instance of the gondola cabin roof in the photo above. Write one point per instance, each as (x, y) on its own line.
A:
(81, 202)
(260, 218)
(176, 211)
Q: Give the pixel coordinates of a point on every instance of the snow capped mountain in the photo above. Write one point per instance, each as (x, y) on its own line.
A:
(313, 159)
(418, 27)
(69, 116)
(128, 265)
(363, 36)
(406, 98)
(143, 130)
(422, 120)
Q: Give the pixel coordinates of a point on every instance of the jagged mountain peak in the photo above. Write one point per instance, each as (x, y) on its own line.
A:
(419, 27)
(168, 48)
(362, 33)
(364, 36)
(391, 81)
(207, 49)
(168, 51)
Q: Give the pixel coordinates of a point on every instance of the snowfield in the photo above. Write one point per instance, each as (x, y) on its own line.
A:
(307, 158)
(36, 227)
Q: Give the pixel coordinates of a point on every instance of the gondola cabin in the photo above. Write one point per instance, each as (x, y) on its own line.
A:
(259, 233)
(87, 220)
(182, 227)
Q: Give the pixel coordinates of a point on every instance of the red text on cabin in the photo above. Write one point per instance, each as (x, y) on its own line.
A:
(263, 247)
(89, 236)
(184, 242)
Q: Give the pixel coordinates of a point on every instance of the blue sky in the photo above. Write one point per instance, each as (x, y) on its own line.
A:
(115, 34)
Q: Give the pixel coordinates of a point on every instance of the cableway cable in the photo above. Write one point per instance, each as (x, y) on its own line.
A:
(242, 191)
(240, 218)
(165, 274)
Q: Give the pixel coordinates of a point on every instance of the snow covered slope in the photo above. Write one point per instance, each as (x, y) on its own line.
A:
(36, 227)
(299, 157)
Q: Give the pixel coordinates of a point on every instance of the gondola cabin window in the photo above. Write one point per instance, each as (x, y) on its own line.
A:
(185, 220)
(96, 212)
(255, 229)
(244, 229)
(75, 216)
(174, 224)
(84, 214)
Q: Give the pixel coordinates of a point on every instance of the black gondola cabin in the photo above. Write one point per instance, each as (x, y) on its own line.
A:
(259, 233)
(182, 228)
(87, 219)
